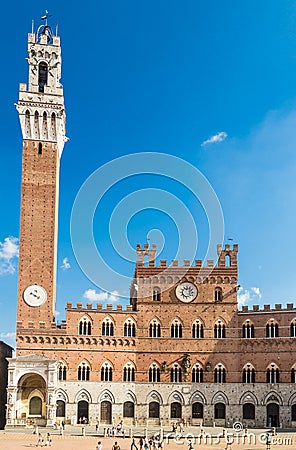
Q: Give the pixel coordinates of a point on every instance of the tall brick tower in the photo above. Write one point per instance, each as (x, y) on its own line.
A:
(42, 118)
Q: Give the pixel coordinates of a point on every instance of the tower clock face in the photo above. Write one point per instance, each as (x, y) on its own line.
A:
(186, 292)
(35, 295)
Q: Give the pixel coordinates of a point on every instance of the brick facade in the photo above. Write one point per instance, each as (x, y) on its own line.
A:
(38, 229)
(180, 348)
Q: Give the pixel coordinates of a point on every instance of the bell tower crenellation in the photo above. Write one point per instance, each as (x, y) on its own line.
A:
(41, 111)
(41, 103)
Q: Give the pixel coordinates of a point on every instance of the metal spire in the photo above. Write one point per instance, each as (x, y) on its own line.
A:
(45, 17)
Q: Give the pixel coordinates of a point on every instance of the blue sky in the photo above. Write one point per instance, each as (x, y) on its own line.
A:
(164, 76)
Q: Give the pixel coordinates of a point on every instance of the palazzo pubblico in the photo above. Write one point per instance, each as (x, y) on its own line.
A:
(181, 348)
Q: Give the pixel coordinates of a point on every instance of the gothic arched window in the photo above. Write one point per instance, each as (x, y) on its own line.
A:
(156, 294)
(272, 329)
(28, 124)
(197, 329)
(85, 326)
(129, 328)
(197, 374)
(293, 328)
(106, 372)
(42, 76)
(219, 330)
(107, 327)
(128, 372)
(154, 329)
(220, 374)
(176, 329)
(154, 373)
(62, 373)
(53, 129)
(83, 371)
(218, 294)
(176, 374)
(248, 374)
(248, 330)
(272, 374)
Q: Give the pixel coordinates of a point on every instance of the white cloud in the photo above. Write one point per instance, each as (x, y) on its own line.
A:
(256, 291)
(8, 335)
(219, 137)
(113, 297)
(8, 338)
(9, 251)
(65, 265)
(94, 296)
(245, 296)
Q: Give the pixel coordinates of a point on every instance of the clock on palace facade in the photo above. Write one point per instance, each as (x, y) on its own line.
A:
(186, 292)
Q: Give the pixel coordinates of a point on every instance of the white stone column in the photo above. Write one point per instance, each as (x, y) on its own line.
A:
(50, 408)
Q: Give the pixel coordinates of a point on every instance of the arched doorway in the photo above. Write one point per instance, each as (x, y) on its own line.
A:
(128, 409)
(153, 410)
(220, 411)
(197, 410)
(31, 398)
(248, 411)
(106, 412)
(272, 415)
(293, 413)
(176, 410)
(35, 406)
(61, 408)
(82, 412)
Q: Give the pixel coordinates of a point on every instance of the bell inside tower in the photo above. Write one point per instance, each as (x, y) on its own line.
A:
(42, 76)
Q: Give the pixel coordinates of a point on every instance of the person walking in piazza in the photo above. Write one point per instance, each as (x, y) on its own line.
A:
(115, 446)
(155, 441)
(134, 445)
(40, 440)
(48, 440)
(268, 441)
(99, 446)
(150, 443)
(119, 426)
(141, 443)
